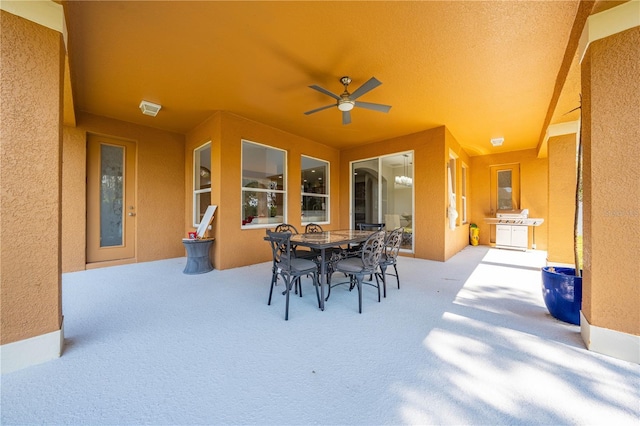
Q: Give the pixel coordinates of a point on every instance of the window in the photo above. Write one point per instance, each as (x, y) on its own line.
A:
(263, 191)
(201, 181)
(453, 183)
(314, 181)
(463, 193)
(505, 189)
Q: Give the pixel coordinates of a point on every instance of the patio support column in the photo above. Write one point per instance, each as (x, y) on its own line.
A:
(610, 318)
(562, 185)
(31, 92)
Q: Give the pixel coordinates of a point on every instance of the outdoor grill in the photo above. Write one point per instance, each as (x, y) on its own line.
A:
(512, 228)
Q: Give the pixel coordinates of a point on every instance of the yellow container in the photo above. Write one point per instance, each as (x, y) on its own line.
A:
(474, 235)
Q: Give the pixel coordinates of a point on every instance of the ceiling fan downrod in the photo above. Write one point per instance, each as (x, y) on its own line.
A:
(345, 103)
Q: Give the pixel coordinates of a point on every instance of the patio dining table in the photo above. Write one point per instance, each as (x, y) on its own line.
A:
(322, 241)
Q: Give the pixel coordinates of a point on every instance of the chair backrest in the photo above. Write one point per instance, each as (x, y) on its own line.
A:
(371, 226)
(285, 227)
(392, 221)
(312, 228)
(392, 244)
(372, 250)
(280, 248)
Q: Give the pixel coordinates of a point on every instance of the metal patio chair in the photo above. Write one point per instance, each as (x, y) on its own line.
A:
(289, 267)
(389, 258)
(365, 264)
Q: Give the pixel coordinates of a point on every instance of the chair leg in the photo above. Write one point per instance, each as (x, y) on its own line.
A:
(359, 282)
(397, 276)
(317, 284)
(383, 275)
(273, 282)
(288, 283)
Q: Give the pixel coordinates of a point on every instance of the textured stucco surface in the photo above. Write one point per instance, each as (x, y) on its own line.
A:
(74, 208)
(235, 246)
(429, 181)
(533, 191)
(562, 186)
(30, 155)
(458, 238)
(611, 107)
(159, 187)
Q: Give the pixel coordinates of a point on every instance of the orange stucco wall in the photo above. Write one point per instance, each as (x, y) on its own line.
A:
(432, 237)
(611, 131)
(562, 186)
(32, 58)
(458, 238)
(234, 246)
(159, 189)
(533, 191)
(74, 189)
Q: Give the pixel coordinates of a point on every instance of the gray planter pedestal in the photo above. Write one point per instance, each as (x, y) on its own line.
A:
(197, 256)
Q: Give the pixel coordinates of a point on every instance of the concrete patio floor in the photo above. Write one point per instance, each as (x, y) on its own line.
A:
(467, 341)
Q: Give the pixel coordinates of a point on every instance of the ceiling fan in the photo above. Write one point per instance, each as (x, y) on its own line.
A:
(347, 101)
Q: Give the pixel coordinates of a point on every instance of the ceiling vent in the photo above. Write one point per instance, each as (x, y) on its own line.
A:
(497, 141)
(149, 108)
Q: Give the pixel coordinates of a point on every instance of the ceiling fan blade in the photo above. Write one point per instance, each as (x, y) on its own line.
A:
(375, 107)
(346, 117)
(371, 84)
(319, 109)
(325, 91)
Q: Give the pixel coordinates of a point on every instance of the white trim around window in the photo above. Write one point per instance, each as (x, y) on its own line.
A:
(314, 186)
(263, 203)
(201, 181)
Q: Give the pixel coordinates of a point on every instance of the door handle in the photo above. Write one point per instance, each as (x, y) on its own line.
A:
(132, 214)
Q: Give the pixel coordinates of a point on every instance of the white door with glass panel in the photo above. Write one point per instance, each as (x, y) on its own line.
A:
(111, 212)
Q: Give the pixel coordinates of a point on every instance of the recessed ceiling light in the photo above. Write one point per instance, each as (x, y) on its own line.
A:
(149, 108)
(497, 141)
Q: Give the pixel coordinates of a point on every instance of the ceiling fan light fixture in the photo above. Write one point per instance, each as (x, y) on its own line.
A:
(149, 108)
(345, 105)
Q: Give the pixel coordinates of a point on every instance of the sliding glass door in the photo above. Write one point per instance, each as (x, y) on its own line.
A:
(382, 192)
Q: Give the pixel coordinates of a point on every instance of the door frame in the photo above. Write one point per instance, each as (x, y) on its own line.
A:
(97, 256)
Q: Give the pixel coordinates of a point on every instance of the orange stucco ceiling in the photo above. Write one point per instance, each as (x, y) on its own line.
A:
(484, 69)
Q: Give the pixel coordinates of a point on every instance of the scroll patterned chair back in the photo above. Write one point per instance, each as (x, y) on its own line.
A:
(289, 267)
(364, 264)
(372, 251)
(364, 227)
(371, 226)
(285, 227)
(389, 257)
(313, 228)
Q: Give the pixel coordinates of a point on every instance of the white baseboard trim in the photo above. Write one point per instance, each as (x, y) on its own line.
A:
(35, 350)
(610, 342)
